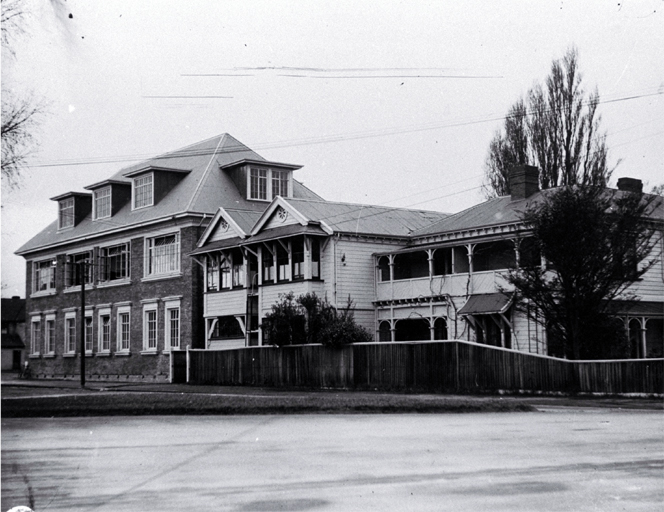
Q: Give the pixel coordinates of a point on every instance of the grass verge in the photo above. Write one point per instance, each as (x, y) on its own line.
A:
(134, 403)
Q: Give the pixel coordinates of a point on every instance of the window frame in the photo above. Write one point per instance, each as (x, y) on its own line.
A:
(119, 333)
(148, 311)
(150, 257)
(105, 266)
(49, 334)
(37, 269)
(135, 190)
(107, 202)
(274, 182)
(104, 331)
(89, 332)
(65, 205)
(70, 333)
(71, 269)
(35, 332)
(169, 307)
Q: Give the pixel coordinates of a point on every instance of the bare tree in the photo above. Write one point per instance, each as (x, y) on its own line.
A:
(20, 118)
(557, 129)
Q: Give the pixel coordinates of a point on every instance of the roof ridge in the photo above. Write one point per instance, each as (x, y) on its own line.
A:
(206, 173)
(365, 205)
(167, 153)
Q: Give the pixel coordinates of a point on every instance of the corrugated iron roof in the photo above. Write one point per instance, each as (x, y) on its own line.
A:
(202, 190)
(486, 304)
(366, 219)
(503, 210)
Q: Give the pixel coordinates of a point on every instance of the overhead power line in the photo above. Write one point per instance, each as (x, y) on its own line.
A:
(309, 141)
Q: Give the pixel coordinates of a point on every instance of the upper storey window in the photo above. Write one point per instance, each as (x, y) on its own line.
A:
(258, 184)
(266, 184)
(102, 203)
(279, 183)
(66, 213)
(143, 191)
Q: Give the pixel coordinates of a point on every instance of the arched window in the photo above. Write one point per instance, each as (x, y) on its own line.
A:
(383, 269)
(385, 331)
(440, 329)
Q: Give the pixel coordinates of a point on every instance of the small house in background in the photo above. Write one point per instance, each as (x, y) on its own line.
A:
(13, 333)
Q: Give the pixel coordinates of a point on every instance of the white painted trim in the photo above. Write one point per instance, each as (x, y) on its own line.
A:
(276, 203)
(133, 191)
(100, 347)
(122, 229)
(221, 214)
(122, 310)
(94, 202)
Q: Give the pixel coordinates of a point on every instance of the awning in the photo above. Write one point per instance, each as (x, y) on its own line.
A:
(218, 245)
(487, 304)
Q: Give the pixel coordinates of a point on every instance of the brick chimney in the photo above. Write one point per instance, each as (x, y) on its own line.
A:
(524, 181)
(630, 185)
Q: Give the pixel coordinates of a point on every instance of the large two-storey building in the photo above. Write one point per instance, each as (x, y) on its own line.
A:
(126, 240)
(192, 248)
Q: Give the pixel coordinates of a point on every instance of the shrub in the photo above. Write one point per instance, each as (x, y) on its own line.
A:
(310, 319)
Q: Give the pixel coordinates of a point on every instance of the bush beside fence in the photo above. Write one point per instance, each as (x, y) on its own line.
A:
(446, 366)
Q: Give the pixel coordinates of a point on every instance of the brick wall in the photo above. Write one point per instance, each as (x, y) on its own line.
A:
(187, 288)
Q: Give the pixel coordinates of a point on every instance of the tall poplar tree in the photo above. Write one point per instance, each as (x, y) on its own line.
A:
(555, 128)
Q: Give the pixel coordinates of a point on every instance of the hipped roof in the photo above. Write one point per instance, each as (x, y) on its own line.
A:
(202, 190)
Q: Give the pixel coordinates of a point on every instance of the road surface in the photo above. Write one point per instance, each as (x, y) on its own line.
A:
(573, 459)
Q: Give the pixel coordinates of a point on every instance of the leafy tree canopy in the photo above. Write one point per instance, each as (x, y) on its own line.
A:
(596, 242)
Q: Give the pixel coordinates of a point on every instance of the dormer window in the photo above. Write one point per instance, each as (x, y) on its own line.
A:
(258, 184)
(143, 191)
(66, 213)
(279, 183)
(102, 203)
(266, 184)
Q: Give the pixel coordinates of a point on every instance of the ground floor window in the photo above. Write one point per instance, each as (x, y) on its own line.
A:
(123, 329)
(172, 325)
(49, 334)
(35, 331)
(150, 327)
(440, 329)
(89, 337)
(70, 334)
(225, 327)
(384, 331)
(105, 330)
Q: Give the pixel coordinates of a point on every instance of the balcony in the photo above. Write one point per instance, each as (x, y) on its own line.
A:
(453, 284)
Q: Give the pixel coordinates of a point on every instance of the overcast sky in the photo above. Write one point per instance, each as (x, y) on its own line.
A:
(390, 103)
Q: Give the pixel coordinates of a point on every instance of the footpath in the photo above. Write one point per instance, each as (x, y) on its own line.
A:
(67, 398)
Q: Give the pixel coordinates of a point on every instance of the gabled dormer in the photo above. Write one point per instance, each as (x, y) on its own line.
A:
(260, 180)
(151, 184)
(73, 207)
(108, 197)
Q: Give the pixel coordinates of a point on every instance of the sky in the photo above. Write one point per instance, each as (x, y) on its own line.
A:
(390, 102)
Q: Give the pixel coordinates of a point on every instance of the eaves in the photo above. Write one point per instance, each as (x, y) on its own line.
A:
(100, 234)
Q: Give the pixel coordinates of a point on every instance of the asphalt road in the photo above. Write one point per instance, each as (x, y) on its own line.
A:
(577, 459)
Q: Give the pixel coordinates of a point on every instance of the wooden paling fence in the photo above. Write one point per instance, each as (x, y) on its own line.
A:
(449, 366)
